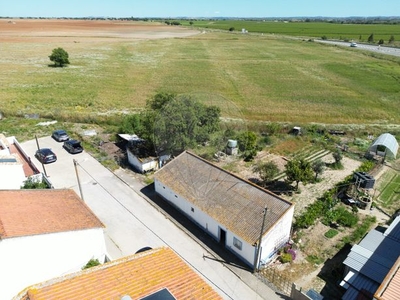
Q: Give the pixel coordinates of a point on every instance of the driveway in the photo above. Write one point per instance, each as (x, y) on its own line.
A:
(133, 223)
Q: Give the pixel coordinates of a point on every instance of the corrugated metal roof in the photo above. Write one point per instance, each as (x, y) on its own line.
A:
(360, 284)
(233, 202)
(372, 256)
(387, 140)
(390, 287)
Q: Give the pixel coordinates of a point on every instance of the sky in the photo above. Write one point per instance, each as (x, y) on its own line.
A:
(198, 8)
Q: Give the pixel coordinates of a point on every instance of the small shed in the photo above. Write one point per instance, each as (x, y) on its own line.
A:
(385, 145)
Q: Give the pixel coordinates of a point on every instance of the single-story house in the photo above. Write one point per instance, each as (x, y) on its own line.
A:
(15, 165)
(232, 210)
(369, 262)
(45, 234)
(152, 274)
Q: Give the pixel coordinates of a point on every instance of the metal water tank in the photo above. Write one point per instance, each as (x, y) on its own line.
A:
(232, 143)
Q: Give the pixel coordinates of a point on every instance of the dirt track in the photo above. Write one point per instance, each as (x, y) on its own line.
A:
(26, 30)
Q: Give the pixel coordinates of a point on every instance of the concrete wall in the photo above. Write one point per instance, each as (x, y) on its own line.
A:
(298, 294)
(141, 166)
(12, 176)
(32, 259)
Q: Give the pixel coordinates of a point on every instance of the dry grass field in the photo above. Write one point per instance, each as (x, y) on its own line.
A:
(116, 66)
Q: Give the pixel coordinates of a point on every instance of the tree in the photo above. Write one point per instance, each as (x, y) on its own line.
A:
(391, 40)
(381, 42)
(31, 183)
(60, 57)
(247, 143)
(337, 156)
(299, 170)
(267, 171)
(318, 167)
(371, 38)
(183, 123)
(191, 22)
(231, 29)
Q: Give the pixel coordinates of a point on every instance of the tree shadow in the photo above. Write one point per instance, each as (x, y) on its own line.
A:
(332, 273)
(280, 187)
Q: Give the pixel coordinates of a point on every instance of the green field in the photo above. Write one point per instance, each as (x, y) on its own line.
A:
(359, 32)
(389, 188)
(263, 77)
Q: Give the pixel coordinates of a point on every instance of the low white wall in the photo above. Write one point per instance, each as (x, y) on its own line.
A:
(12, 176)
(139, 165)
(34, 259)
(212, 227)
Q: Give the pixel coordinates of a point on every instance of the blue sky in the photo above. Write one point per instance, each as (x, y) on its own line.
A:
(199, 8)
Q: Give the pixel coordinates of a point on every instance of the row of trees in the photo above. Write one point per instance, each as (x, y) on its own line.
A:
(296, 170)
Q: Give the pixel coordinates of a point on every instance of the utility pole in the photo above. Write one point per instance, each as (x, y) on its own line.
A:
(38, 147)
(256, 259)
(77, 177)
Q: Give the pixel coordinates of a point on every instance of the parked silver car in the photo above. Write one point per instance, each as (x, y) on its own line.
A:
(60, 135)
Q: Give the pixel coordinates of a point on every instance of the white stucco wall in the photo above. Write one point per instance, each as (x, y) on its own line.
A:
(209, 225)
(33, 259)
(140, 166)
(12, 176)
(277, 236)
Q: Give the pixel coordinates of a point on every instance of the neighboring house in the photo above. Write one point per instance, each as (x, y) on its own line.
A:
(15, 165)
(227, 207)
(153, 274)
(44, 234)
(370, 261)
(390, 287)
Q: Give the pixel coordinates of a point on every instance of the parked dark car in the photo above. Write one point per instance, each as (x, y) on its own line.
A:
(73, 146)
(60, 135)
(45, 156)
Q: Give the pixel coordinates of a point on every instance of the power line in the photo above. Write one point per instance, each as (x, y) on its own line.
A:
(165, 242)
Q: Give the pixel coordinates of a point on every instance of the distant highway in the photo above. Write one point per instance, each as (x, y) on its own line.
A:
(374, 48)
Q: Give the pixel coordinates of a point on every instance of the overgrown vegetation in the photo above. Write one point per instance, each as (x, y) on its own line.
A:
(31, 183)
(91, 263)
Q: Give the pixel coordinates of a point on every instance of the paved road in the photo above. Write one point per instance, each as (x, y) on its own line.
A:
(132, 222)
(373, 48)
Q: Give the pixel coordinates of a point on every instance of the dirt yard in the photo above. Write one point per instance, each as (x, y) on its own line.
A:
(305, 274)
(47, 30)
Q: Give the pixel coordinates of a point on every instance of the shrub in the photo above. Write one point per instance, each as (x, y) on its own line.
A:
(285, 258)
(91, 263)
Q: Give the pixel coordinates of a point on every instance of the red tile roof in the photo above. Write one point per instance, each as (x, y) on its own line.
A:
(31, 212)
(390, 287)
(137, 276)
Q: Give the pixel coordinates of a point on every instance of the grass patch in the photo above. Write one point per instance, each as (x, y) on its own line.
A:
(265, 78)
(358, 32)
(389, 189)
(331, 233)
(314, 259)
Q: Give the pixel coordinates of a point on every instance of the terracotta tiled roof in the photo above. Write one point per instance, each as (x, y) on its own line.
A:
(137, 276)
(390, 287)
(31, 212)
(234, 202)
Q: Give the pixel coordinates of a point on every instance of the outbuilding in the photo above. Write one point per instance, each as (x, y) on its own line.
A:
(232, 210)
(385, 145)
